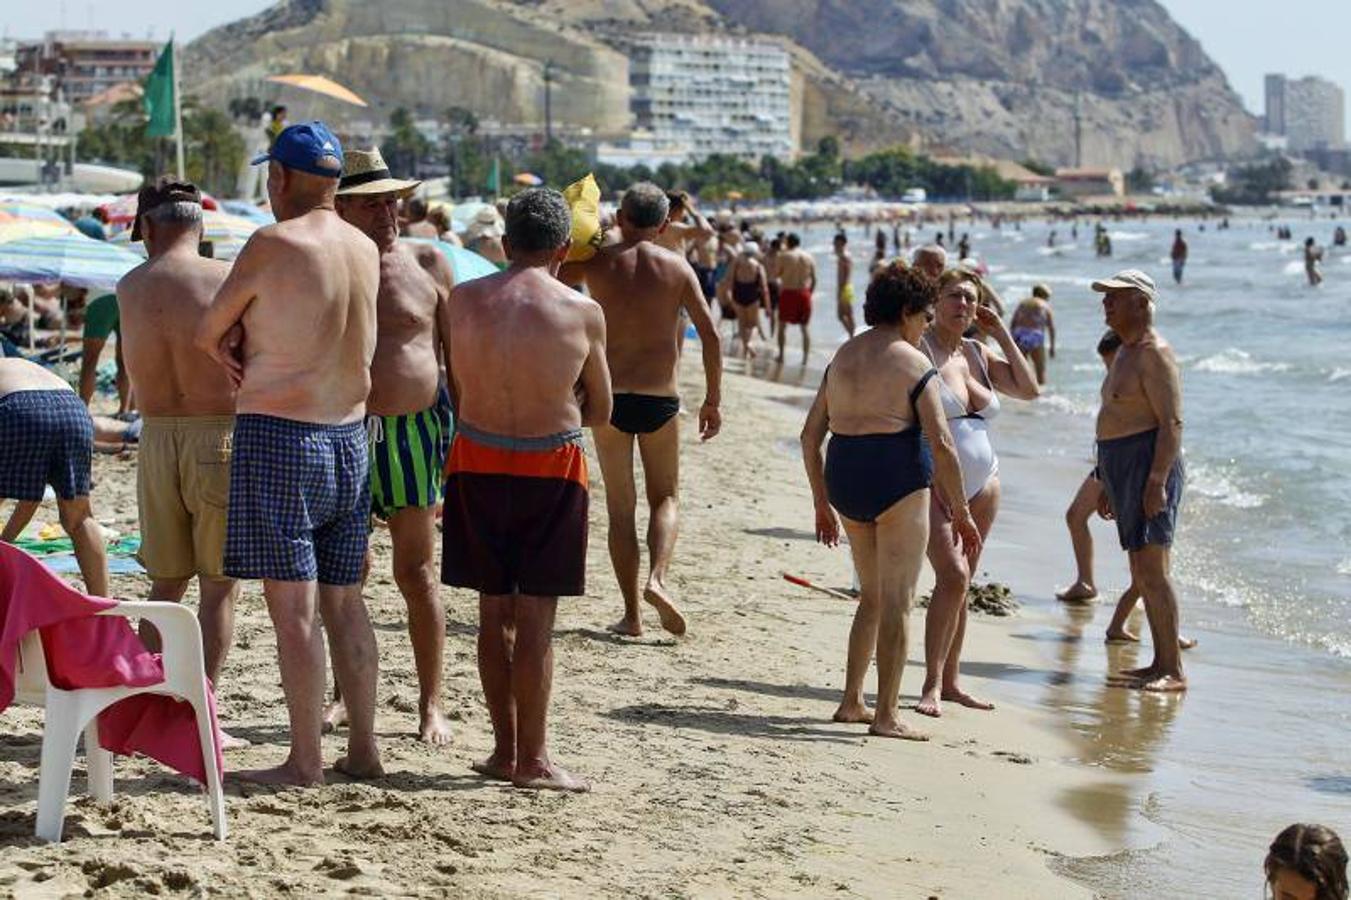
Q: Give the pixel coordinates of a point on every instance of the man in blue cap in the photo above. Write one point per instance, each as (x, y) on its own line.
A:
(294, 325)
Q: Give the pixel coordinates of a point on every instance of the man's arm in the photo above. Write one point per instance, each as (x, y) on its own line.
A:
(232, 300)
(841, 278)
(573, 274)
(597, 397)
(1163, 391)
(811, 271)
(90, 351)
(699, 227)
(710, 419)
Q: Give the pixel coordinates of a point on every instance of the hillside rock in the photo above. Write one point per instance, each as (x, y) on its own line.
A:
(1000, 77)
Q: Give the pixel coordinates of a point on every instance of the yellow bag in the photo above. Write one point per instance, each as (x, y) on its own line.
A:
(584, 200)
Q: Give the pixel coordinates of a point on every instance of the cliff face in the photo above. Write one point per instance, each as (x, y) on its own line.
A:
(1003, 77)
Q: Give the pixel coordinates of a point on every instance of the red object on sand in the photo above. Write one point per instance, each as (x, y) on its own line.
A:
(802, 582)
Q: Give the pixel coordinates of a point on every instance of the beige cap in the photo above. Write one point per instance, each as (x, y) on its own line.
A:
(1128, 278)
(365, 172)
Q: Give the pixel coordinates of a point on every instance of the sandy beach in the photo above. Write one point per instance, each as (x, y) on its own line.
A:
(717, 771)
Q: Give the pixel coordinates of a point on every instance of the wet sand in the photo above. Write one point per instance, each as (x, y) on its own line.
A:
(717, 770)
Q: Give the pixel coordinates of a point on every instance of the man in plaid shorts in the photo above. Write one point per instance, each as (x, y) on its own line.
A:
(407, 444)
(47, 438)
(294, 324)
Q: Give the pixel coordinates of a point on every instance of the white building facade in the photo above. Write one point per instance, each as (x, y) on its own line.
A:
(701, 95)
(1310, 112)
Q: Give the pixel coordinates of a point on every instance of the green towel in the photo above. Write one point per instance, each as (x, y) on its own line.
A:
(123, 546)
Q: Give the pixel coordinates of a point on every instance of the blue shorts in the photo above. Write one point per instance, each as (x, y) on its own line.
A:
(1123, 469)
(299, 501)
(46, 437)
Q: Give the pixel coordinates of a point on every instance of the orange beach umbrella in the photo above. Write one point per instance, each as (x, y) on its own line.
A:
(319, 85)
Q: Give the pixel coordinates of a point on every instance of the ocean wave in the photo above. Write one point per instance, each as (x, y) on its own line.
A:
(1344, 567)
(1129, 235)
(1265, 245)
(1063, 404)
(1220, 484)
(1057, 250)
(1338, 374)
(1033, 277)
(1233, 361)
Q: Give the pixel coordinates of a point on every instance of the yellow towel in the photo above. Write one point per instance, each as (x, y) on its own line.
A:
(584, 200)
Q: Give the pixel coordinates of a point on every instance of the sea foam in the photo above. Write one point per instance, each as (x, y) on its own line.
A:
(1233, 361)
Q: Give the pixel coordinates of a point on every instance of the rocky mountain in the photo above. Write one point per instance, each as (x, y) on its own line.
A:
(999, 77)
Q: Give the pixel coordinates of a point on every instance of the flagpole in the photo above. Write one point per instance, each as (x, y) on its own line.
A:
(178, 112)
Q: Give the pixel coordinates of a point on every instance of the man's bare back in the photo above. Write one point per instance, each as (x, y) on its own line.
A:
(161, 303)
(641, 288)
(1126, 409)
(21, 375)
(308, 288)
(415, 281)
(796, 269)
(520, 348)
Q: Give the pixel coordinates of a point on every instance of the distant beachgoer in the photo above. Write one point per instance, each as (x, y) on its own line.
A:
(938, 240)
(931, 259)
(749, 289)
(685, 229)
(1050, 238)
(1032, 323)
(1179, 255)
(528, 371)
(971, 379)
(294, 325)
(642, 287)
(1139, 433)
(774, 280)
(881, 405)
(797, 273)
(1313, 256)
(46, 440)
(844, 285)
(964, 246)
(445, 229)
(101, 321)
(415, 221)
(879, 259)
(1307, 862)
(484, 236)
(93, 225)
(1339, 237)
(402, 415)
(187, 404)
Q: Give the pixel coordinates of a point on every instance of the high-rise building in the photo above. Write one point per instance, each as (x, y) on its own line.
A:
(712, 95)
(85, 63)
(1310, 112)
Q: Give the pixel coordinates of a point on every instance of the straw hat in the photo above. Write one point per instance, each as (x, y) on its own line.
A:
(486, 224)
(365, 172)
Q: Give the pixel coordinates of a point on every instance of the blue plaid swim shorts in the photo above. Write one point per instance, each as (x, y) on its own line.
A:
(299, 501)
(46, 437)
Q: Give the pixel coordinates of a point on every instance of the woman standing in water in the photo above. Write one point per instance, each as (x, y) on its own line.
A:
(971, 379)
(876, 474)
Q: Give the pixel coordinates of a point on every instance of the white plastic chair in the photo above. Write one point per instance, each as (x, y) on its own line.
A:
(68, 713)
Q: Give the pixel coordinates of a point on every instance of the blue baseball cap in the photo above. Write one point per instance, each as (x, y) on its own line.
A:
(301, 147)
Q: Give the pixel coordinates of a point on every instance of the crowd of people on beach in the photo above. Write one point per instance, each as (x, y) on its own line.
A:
(326, 380)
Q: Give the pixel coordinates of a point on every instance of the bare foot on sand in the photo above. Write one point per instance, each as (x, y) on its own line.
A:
(335, 717)
(1122, 637)
(550, 778)
(284, 775)
(229, 742)
(1164, 684)
(361, 769)
(853, 712)
(896, 730)
(928, 705)
(496, 768)
(671, 619)
(1079, 592)
(962, 698)
(626, 627)
(1132, 677)
(434, 727)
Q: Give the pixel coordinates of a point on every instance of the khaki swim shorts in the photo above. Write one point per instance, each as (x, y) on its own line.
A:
(183, 487)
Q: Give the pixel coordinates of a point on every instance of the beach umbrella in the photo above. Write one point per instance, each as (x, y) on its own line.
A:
(466, 264)
(72, 259)
(123, 210)
(228, 233)
(18, 221)
(246, 210)
(528, 179)
(319, 85)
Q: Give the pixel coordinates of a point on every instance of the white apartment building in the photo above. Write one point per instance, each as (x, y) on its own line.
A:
(699, 95)
(1310, 112)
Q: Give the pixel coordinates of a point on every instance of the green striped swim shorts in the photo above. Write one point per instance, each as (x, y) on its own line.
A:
(407, 455)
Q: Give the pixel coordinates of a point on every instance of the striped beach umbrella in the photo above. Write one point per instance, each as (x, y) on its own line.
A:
(20, 220)
(466, 264)
(228, 234)
(72, 259)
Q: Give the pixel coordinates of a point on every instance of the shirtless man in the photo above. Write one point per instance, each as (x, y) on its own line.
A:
(1032, 323)
(772, 276)
(46, 438)
(642, 288)
(680, 236)
(797, 281)
(294, 324)
(1140, 464)
(931, 259)
(1313, 256)
(406, 452)
(527, 367)
(188, 408)
(844, 285)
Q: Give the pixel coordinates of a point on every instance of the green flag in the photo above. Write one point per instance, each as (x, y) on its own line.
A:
(159, 95)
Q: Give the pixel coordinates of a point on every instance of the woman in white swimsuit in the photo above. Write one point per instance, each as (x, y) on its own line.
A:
(971, 379)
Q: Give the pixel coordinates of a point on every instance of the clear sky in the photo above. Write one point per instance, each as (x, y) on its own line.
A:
(1246, 37)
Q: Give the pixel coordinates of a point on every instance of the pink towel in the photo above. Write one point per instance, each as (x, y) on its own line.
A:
(85, 650)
